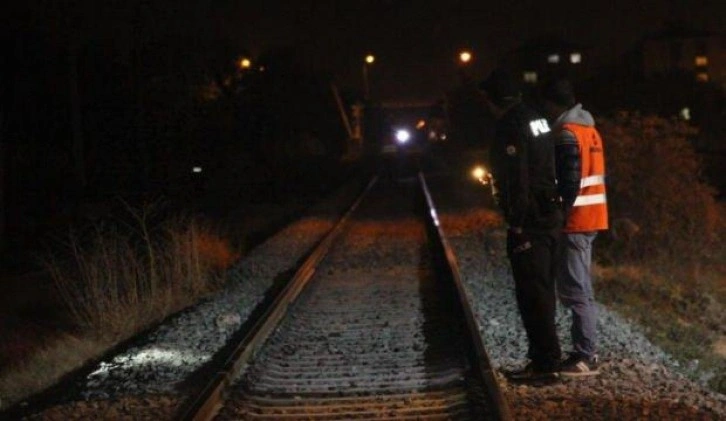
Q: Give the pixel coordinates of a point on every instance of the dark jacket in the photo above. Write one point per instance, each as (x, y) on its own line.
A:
(523, 167)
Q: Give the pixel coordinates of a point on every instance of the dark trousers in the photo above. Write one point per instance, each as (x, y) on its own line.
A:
(534, 273)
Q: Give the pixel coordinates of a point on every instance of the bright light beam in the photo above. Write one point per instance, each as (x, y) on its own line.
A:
(402, 136)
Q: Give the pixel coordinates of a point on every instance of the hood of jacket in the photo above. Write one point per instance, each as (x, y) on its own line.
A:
(575, 115)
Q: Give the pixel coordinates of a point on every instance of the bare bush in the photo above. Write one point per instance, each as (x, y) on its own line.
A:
(655, 183)
(120, 278)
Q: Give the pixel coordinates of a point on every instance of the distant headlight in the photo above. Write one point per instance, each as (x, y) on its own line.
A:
(402, 136)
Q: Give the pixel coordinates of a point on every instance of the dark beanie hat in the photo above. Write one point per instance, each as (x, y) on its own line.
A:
(559, 91)
(501, 87)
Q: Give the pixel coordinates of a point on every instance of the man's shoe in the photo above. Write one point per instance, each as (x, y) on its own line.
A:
(533, 372)
(579, 366)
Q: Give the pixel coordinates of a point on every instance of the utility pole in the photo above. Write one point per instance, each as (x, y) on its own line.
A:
(343, 117)
(357, 126)
(369, 60)
(2, 182)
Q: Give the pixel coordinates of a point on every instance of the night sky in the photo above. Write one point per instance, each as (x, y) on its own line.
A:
(416, 41)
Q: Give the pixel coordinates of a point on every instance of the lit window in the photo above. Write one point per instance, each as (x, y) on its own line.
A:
(701, 61)
(702, 77)
(575, 58)
(686, 113)
(530, 77)
(553, 58)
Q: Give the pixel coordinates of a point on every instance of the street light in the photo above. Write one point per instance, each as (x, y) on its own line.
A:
(465, 56)
(245, 63)
(370, 58)
(464, 66)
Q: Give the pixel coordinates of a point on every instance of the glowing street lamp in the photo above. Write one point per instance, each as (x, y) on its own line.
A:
(464, 66)
(369, 59)
(245, 63)
(465, 57)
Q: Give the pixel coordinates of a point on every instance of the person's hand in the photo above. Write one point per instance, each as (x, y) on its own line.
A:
(519, 240)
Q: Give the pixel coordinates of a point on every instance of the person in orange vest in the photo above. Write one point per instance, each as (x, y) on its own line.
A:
(580, 167)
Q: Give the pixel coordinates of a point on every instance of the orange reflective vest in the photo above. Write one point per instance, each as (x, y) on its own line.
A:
(589, 212)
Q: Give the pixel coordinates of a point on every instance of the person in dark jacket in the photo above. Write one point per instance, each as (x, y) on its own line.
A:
(523, 169)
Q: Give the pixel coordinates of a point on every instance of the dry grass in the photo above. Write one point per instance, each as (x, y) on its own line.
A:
(685, 313)
(720, 347)
(120, 281)
(45, 366)
(115, 280)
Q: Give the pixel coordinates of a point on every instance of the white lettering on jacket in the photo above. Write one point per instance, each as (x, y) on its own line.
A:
(539, 127)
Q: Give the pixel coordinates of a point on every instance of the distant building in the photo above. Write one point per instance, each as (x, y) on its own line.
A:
(677, 71)
(701, 54)
(539, 59)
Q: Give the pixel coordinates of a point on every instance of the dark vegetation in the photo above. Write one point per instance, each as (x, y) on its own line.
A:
(101, 101)
(661, 262)
(676, 95)
(105, 110)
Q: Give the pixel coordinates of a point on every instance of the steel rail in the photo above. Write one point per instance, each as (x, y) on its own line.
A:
(482, 360)
(206, 404)
(209, 402)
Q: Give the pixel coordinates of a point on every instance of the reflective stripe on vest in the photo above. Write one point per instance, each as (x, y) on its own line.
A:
(590, 199)
(592, 180)
(589, 212)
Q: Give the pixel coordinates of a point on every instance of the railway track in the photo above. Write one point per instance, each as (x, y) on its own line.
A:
(305, 368)
(348, 340)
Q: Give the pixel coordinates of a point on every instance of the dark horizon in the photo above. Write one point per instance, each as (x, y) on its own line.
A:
(415, 43)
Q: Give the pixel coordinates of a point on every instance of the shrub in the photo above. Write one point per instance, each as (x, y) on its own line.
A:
(665, 247)
(655, 184)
